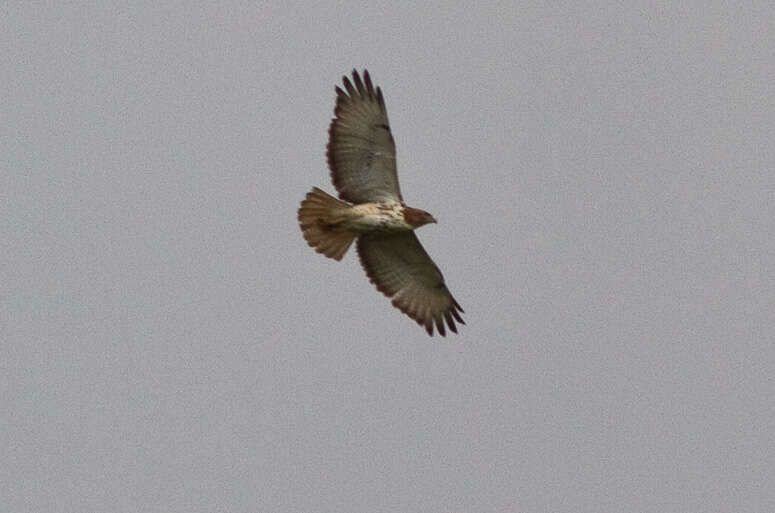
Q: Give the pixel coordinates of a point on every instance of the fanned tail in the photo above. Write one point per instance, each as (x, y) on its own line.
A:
(319, 215)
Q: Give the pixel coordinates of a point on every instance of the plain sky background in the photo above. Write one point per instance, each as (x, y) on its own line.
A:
(604, 178)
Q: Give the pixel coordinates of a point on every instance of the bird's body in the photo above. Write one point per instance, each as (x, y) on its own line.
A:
(361, 155)
(383, 217)
(370, 217)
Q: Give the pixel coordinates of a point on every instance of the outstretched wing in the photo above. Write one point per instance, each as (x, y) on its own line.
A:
(361, 152)
(402, 270)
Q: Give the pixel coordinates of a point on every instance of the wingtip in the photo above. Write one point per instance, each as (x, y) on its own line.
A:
(450, 321)
(440, 326)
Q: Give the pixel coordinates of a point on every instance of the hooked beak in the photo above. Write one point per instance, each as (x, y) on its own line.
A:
(433, 220)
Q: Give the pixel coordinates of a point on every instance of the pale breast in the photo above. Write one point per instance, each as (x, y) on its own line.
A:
(369, 217)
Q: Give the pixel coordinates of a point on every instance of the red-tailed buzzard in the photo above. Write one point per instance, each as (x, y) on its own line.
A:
(362, 157)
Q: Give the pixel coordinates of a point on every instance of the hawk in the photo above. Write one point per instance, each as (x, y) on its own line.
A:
(362, 158)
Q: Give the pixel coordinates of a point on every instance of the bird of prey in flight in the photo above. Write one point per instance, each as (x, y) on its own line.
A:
(362, 158)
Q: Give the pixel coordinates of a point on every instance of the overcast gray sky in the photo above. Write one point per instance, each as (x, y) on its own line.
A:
(603, 174)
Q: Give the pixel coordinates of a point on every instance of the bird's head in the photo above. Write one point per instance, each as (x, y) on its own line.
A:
(417, 217)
